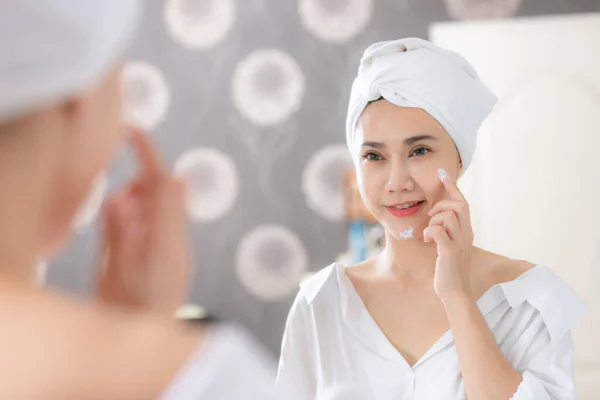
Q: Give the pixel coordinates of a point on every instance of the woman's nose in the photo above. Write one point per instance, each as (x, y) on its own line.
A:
(399, 179)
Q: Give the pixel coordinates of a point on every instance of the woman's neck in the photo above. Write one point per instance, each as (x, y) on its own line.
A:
(408, 257)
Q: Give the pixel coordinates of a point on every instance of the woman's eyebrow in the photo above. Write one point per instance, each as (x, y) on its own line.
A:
(418, 138)
(408, 141)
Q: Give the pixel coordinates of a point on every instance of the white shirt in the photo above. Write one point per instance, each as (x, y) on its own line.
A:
(230, 365)
(333, 349)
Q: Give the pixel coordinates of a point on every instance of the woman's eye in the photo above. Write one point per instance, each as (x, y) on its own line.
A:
(372, 156)
(419, 151)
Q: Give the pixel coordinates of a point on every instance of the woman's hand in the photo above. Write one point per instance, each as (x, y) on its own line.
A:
(450, 228)
(146, 249)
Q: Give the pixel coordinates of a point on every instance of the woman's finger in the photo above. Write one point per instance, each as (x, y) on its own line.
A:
(445, 205)
(449, 221)
(171, 217)
(460, 208)
(110, 233)
(150, 162)
(110, 214)
(438, 234)
(454, 192)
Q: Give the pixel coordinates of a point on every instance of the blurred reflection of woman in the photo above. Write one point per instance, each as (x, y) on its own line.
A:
(60, 124)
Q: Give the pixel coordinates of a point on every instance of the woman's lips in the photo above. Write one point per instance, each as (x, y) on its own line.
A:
(404, 212)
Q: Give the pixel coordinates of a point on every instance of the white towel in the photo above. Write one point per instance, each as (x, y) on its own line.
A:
(413, 72)
(53, 49)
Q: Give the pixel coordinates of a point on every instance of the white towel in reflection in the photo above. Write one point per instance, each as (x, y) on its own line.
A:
(53, 49)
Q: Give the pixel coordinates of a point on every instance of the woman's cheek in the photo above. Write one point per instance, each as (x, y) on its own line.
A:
(426, 177)
(367, 186)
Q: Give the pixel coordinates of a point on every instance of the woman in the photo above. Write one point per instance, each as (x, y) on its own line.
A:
(431, 316)
(60, 124)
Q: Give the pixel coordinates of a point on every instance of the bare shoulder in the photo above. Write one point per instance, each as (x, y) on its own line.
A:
(494, 269)
(58, 347)
(509, 270)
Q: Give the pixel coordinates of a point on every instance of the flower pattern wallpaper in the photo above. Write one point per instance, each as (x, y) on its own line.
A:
(246, 100)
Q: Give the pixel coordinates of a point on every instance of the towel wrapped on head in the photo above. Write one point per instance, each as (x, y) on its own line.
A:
(53, 49)
(413, 72)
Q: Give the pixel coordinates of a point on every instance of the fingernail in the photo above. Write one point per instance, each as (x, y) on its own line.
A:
(442, 174)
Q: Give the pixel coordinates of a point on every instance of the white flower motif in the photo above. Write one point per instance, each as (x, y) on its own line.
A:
(322, 181)
(199, 24)
(268, 87)
(482, 9)
(212, 182)
(335, 21)
(146, 95)
(90, 208)
(271, 262)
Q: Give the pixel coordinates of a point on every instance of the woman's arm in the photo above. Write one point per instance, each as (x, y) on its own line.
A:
(545, 365)
(487, 374)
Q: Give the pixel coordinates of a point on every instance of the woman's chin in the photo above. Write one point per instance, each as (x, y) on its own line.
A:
(405, 230)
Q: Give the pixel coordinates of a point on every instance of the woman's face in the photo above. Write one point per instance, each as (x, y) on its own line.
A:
(87, 137)
(398, 153)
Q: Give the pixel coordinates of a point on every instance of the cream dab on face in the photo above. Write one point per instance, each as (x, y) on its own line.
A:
(442, 174)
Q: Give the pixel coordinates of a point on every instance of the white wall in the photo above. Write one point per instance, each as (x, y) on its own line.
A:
(534, 186)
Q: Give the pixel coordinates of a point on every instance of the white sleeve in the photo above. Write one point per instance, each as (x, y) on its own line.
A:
(548, 372)
(295, 379)
(545, 356)
(231, 365)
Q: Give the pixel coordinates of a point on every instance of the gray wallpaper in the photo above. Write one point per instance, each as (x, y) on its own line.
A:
(247, 99)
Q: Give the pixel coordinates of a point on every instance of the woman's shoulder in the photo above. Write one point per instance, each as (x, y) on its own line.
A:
(58, 346)
(230, 352)
(490, 269)
(504, 269)
(332, 280)
(538, 286)
(322, 283)
(531, 278)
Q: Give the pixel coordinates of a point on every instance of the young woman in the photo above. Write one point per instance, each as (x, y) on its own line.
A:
(431, 316)
(60, 124)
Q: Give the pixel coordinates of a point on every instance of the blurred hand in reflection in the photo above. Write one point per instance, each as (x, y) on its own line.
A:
(146, 254)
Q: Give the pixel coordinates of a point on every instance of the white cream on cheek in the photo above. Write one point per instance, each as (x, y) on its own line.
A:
(442, 174)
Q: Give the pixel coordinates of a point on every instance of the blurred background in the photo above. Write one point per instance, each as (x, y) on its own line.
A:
(247, 100)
